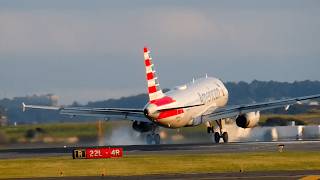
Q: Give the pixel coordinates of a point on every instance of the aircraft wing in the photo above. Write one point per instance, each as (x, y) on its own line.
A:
(112, 113)
(234, 111)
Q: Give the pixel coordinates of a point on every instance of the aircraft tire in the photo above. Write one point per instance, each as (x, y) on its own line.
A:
(208, 130)
(149, 139)
(216, 137)
(225, 137)
(157, 139)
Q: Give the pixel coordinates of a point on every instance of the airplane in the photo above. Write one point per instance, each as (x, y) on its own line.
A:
(201, 101)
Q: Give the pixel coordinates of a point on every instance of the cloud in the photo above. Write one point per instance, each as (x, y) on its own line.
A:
(88, 44)
(40, 32)
(44, 33)
(179, 30)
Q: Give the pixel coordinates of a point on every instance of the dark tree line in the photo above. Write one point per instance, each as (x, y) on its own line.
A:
(239, 93)
(258, 91)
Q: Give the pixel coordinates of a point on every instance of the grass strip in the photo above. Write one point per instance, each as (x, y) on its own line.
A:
(159, 164)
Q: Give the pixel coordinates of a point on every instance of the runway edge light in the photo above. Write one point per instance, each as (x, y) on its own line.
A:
(97, 153)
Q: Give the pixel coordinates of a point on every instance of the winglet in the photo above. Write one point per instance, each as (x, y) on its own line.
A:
(23, 107)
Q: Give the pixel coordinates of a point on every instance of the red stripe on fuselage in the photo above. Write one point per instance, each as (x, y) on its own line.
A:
(163, 101)
(169, 113)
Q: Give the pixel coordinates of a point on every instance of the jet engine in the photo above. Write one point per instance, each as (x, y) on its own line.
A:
(142, 126)
(248, 120)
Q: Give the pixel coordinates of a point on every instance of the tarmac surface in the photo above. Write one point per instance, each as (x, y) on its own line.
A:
(173, 149)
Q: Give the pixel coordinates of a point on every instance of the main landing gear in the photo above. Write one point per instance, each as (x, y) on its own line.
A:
(154, 137)
(224, 137)
(218, 134)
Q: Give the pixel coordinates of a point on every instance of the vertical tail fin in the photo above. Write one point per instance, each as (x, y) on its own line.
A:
(154, 89)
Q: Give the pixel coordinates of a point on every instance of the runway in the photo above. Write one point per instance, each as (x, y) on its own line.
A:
(172, 149)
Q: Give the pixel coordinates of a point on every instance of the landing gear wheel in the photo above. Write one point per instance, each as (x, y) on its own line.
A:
(153, 139)
(216, 137)
(225, 137)
(157, 139)
(210, 130)
(149, 139)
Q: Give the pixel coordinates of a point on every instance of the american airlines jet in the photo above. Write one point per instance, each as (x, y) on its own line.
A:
(200, 101)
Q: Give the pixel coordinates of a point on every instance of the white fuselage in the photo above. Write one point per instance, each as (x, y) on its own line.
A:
(208, 93)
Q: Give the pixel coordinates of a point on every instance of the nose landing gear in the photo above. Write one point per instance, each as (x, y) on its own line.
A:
(153, 137)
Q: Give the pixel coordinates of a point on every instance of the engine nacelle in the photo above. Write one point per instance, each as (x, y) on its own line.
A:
(142, 126)
(248, 120)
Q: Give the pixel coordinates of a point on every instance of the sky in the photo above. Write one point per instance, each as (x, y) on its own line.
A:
(93, 50)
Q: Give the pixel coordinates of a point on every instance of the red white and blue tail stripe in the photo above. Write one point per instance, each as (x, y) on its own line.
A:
(154, 89)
